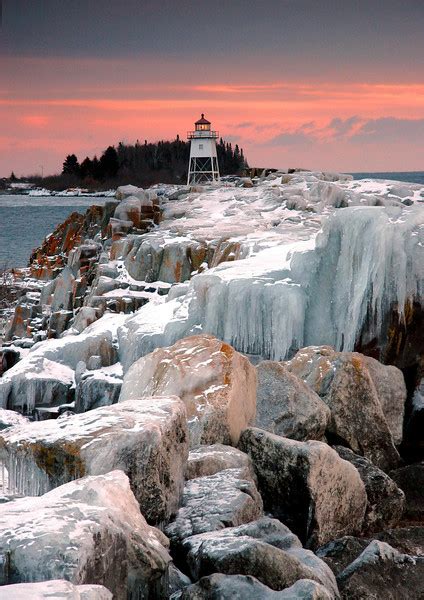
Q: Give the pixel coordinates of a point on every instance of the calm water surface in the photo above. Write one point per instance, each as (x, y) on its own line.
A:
(26, 220)
(409, 176)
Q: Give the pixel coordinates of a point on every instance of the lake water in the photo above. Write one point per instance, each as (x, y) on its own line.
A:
(409, 176)
(26, 220)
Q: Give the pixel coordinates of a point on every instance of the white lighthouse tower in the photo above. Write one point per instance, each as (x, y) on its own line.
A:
(203, 167)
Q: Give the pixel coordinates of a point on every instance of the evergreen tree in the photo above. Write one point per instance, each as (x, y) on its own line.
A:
(96, 171)
(109, 163)
(71, 165)
(13, 177)
(86, 168)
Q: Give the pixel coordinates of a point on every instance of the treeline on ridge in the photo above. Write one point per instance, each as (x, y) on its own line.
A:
(141, 164)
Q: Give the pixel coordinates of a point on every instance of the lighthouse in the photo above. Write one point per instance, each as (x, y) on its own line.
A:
(203, 167)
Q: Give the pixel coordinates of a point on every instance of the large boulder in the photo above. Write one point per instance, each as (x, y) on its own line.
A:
(265, 549)
(220, 587)
(411, 480)
(208, 460)
(212, 502)
(386, 501)
(87, 531)
(57, 588)
(147, 439)
(391, 390)
(366, 400)
(382, 572)
(307, 486)
(216, 384)
(285, 405)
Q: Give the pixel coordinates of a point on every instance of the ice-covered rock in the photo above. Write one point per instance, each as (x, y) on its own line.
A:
(208, 460)
(87, 531)
(358, 397)
(218, 586)
(98, 387)
(216, 384)
(125, 191)
(212, 502)
(306, 485)
(414, 425)
(145, 438)
(96, 340)
(10, 418)
(57, 588)
(386, 501)
(285, 405)
(264, 549)
(36, 381)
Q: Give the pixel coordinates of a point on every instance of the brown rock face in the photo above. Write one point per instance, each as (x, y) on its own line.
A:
(366, 400)
(307, 486)
(285, 405)
(216, 384)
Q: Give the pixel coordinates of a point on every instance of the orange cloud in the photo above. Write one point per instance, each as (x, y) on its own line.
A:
(35, 120)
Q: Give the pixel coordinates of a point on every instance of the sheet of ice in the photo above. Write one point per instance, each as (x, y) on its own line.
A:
(308, 293)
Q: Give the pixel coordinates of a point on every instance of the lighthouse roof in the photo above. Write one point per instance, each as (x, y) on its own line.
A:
(202, 121)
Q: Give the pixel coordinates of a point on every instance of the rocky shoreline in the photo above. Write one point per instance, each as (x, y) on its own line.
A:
(216, 392)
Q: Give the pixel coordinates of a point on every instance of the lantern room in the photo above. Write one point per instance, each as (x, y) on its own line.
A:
(202, 124)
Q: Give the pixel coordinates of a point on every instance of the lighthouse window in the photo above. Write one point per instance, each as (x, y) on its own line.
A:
(200, 146)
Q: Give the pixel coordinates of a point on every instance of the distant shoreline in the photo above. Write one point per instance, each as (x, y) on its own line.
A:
(405, 176)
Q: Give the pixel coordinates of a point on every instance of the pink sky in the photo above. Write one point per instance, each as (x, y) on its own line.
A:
(50, 107)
